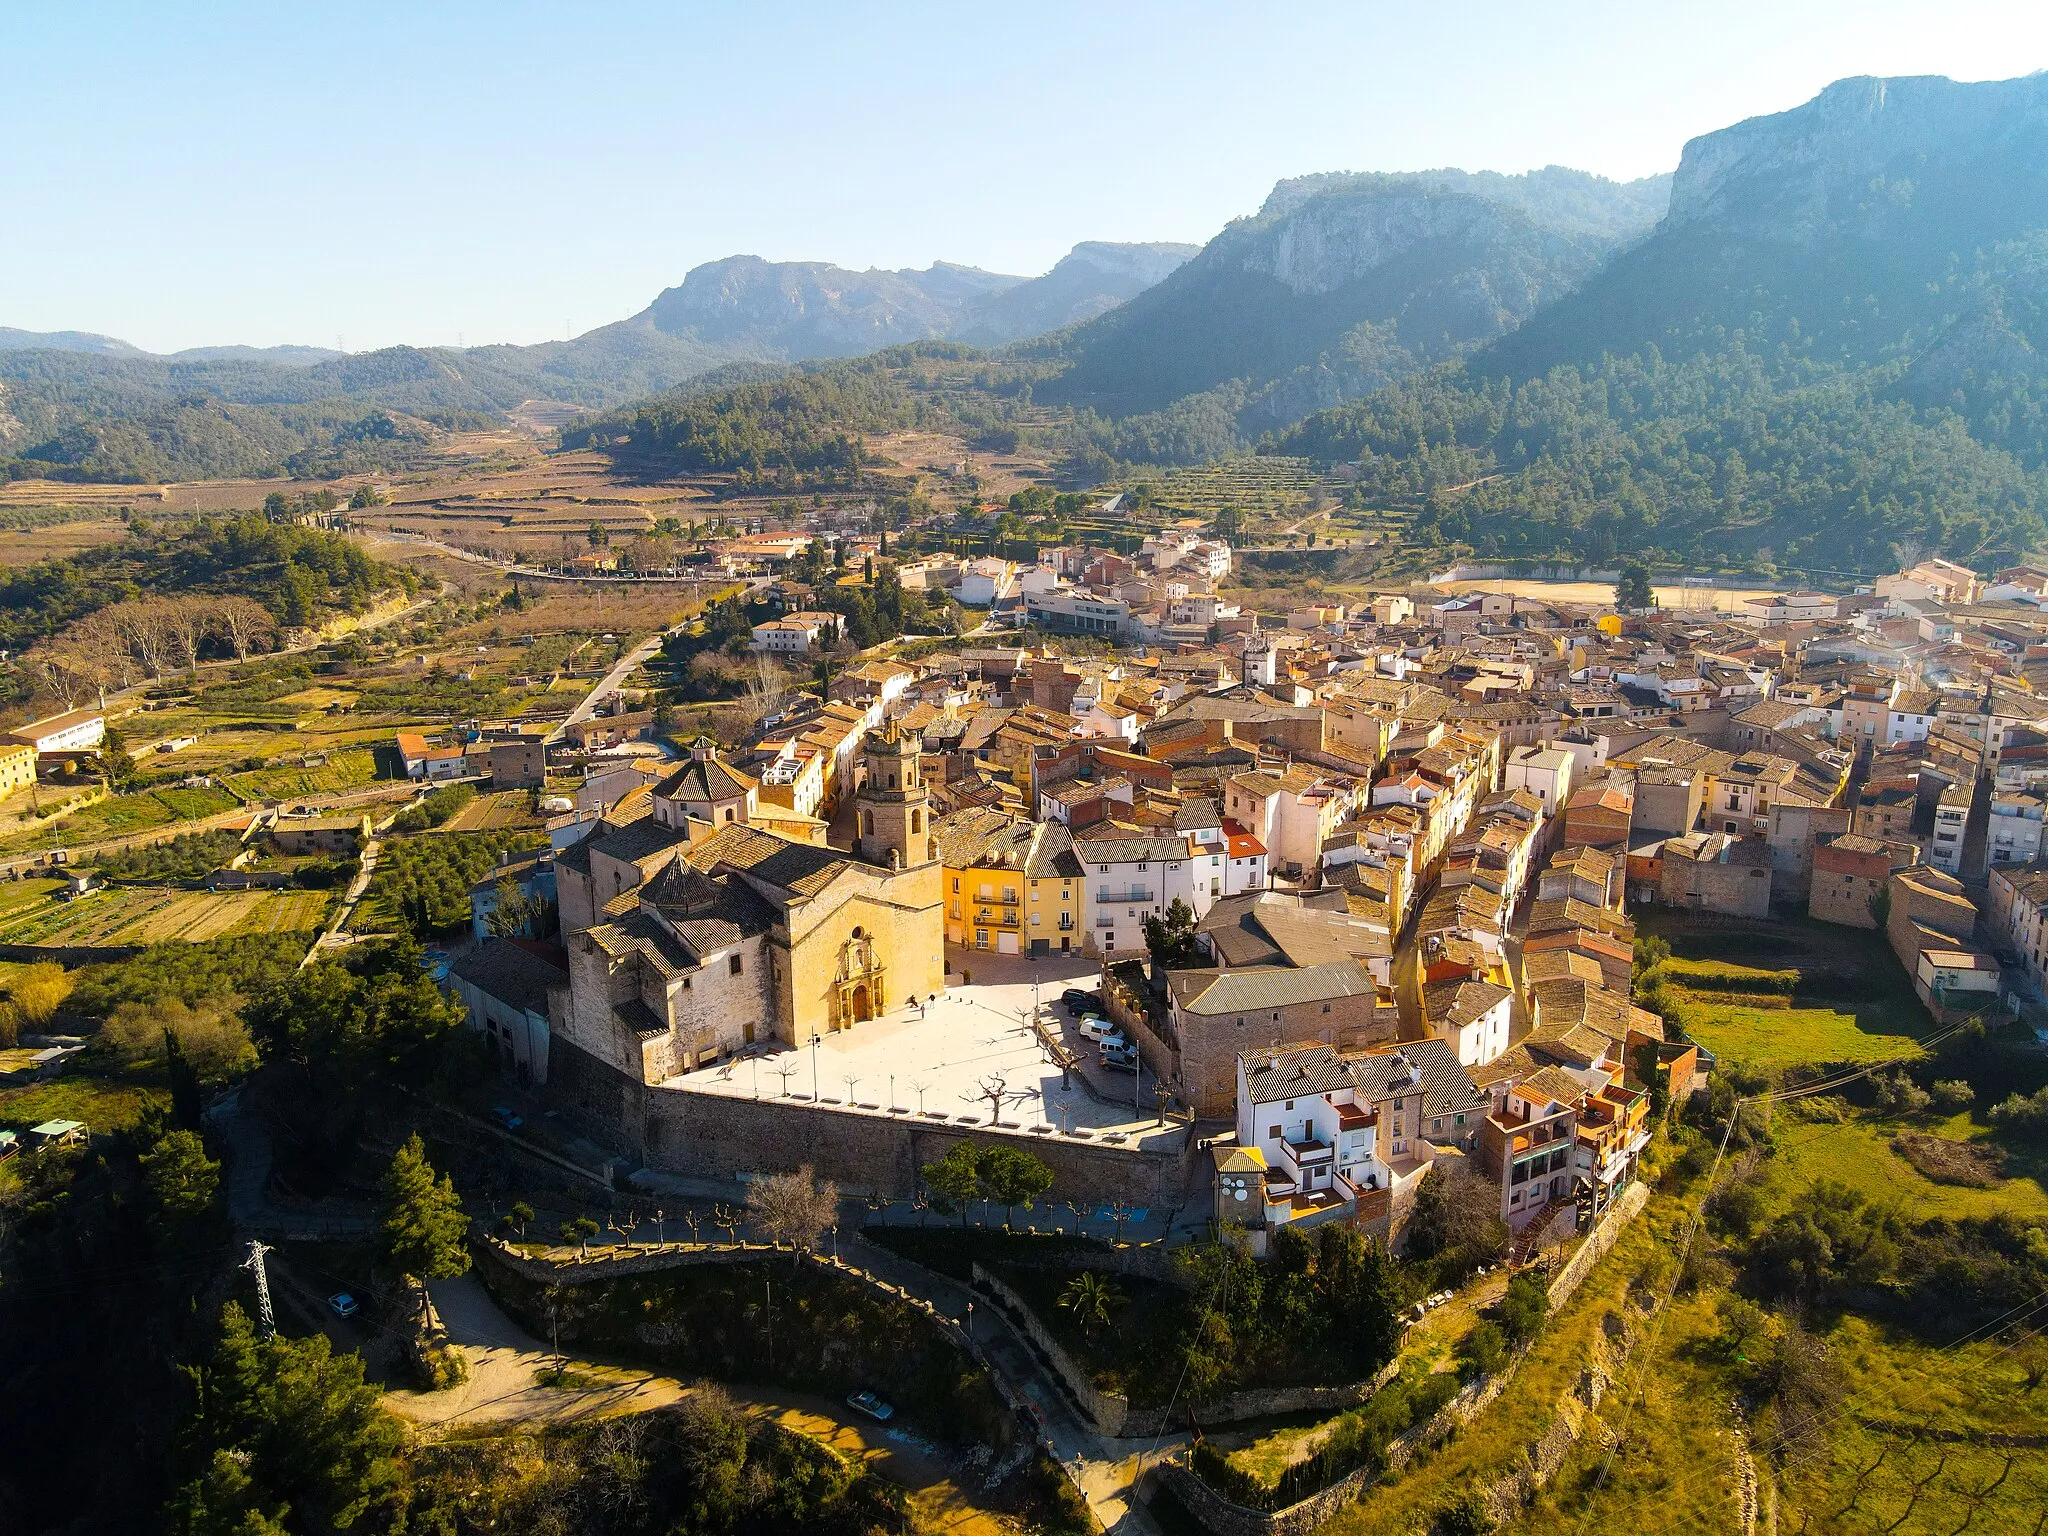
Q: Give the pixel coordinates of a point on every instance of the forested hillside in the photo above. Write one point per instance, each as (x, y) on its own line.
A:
(1827, 351)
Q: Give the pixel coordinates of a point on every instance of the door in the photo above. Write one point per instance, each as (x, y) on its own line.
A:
(1006, 943)
(863, 1010)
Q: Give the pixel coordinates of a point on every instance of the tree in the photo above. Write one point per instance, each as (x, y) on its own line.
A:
(1172, 939)
(186, 1104)
(1010, 1177)
(283, 1425)
(580, 1232)
(519, 1217)
(1362, 1294)
(37, 992)
(424, 1224)
(183, 1181)
(1633, 589)
(244, 621)
(597, 535)
(794, 1208)
(1091, 1299)
(1524, 1308)
(956, 1177)
(1456, 1221)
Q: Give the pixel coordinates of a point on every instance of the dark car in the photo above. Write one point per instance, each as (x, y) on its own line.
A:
(341, 1304)
(1077, 1001)
(866, 1402)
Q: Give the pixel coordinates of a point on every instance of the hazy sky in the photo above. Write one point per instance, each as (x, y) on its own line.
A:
(182, 174)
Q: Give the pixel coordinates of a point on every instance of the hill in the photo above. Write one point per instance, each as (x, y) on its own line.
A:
(1828, 348)
(84, 407)
(1341, 284)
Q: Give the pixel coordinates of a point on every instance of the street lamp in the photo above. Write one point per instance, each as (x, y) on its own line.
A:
(814, 1069)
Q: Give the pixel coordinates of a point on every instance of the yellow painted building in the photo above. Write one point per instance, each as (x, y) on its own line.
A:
(17, 768)
(1012, 886)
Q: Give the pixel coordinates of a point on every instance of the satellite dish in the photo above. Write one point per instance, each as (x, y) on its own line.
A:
(1238, 1193)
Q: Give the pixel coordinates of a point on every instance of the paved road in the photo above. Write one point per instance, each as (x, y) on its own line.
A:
(609, 684)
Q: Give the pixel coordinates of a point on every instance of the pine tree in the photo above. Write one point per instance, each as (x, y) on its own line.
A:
(424, 1224)
(186, 1105)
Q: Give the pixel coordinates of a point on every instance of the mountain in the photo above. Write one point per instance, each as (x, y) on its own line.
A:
(1829, 348)
(795, 310)
(1091, 279)
(1342, 283)
(1873, 215)
(12, 340)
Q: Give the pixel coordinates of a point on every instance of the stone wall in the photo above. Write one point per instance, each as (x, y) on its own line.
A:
(715, 1136)
(1107, 1410)
(1598, 1242)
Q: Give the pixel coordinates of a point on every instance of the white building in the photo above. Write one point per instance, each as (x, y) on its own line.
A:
(983, 581)
(1789, 608)
(78, 731)
(1128, 879)
(795, 634)
(2015, 836)
(1546, 772)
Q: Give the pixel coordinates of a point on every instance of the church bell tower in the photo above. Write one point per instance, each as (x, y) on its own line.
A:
(892, 807)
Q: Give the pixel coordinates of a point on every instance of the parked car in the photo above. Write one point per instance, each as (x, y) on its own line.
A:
(1076, 1001)
(1095, 1027)
(866, 1402)
(508, 1117)
(1119, 1055)
(341, 1304)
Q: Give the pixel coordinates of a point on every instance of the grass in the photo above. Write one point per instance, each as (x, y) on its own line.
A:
(155, 914)
(351, 769)
(1774, 1038)
(1790, 993)
(124, 814)
(99, 1103)
(1858, 1152)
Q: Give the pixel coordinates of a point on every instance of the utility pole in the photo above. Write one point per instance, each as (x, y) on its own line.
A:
(254, 1264)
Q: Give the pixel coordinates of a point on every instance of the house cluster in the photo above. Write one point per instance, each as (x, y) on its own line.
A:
(1359, 876)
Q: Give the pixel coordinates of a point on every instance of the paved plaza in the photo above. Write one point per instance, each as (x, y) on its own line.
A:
(944, 1060)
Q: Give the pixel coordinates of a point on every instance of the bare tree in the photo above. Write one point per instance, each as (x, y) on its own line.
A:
(768, 692)
(996, 1092)
(139, 624)
(52, 674)
(244, 622)
(795, 1208)
(186, 622)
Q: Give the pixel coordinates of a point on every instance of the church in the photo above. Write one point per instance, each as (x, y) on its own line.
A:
(695, 929)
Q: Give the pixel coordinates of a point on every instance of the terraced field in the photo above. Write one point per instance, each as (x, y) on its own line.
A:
(31, 913)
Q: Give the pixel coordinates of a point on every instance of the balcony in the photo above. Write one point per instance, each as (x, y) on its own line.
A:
(1129, 897)
(1307, 1153)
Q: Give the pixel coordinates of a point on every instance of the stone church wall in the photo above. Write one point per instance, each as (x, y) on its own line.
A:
(712, 1136)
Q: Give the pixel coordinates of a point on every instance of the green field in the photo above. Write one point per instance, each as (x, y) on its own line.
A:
(151, 914)
(1789, 994)
(125, 814)
(349, 769)
(100, 1104)
(1858, 1152)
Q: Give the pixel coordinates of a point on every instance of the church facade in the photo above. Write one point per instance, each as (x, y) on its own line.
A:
(694, 934)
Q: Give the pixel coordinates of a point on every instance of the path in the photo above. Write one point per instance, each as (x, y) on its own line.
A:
(505, 1363)
(609, 684)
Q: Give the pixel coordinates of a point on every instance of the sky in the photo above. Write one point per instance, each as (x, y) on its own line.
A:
(185, 174)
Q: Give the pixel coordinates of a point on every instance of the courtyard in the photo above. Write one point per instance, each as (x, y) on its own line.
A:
(969, 1057)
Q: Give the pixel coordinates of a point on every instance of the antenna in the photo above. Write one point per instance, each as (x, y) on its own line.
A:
(254, 1264)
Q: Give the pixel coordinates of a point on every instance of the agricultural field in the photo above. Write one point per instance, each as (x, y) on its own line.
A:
(30, 546)
(152, 914)
(1260, 486)
(122, 815)
(351, 769)
(1789, 993)
(507, 810)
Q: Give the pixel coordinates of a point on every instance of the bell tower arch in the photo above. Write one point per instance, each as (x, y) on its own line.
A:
(892, 808)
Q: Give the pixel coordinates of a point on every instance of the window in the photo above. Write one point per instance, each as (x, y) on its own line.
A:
(686, 983)
(981, 938)
(956, 883)
(728, 813)
(1143, 867)
(1326, 1007)
(916, 821)
(734, 965)
(1272, 1133)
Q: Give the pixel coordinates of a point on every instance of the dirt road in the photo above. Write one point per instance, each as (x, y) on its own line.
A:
(506, 1364)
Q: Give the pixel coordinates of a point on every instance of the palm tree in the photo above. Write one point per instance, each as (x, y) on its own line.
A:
(1091, 1299)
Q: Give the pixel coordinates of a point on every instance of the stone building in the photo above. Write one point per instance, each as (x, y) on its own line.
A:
(701, 942)
(1848, 872)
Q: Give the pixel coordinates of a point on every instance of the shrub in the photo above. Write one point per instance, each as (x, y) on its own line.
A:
(1953, 1095)
(1484, 1351)
(2027, 1117)
(1524, 1308)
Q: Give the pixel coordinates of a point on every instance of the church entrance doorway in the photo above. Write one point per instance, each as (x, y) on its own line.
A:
(862, 1009)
